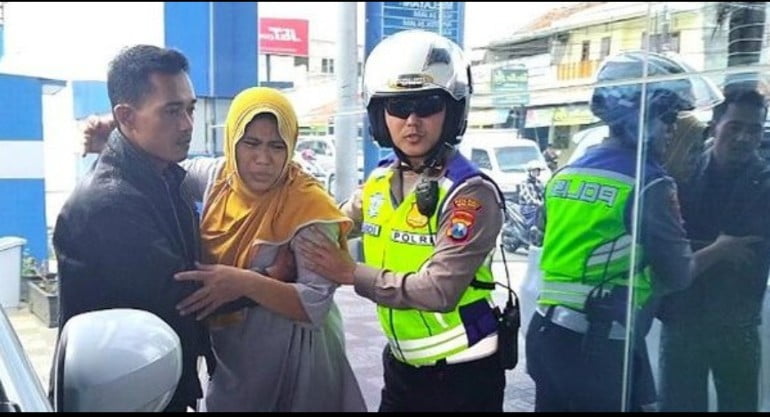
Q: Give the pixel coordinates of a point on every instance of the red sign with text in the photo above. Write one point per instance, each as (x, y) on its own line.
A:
(283, 36)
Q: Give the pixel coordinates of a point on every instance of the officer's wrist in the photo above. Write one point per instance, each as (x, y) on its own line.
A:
(364, 279)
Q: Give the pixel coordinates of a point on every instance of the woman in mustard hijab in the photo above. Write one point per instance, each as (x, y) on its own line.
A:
(285, 351)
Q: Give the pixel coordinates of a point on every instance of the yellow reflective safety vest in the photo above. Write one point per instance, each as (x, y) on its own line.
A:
(400, 239)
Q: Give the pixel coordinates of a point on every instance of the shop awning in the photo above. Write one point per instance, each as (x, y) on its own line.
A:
(560, 116)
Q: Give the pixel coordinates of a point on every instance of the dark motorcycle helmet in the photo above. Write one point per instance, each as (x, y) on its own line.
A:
(619, 105)
(412, 63)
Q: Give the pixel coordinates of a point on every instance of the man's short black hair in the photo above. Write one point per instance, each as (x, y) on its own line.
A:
(128, 79)
(743, 96)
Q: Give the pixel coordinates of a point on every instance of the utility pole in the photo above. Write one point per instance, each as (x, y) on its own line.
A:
(345, 120)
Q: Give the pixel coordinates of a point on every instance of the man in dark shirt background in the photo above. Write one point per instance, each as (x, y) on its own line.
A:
(712, 326)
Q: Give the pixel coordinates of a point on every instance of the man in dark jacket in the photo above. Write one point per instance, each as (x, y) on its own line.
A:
(130, 226)
(712, 325)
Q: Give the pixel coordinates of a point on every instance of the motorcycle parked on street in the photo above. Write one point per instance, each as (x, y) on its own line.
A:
(523, 211)
(519, 224)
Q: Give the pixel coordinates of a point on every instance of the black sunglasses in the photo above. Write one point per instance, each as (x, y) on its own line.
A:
(422, 106)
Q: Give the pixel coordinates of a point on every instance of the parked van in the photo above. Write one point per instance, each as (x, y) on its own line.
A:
(503, 156)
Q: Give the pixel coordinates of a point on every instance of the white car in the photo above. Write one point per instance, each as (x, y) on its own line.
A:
(503, 156)
(322, 149)
(312, 168)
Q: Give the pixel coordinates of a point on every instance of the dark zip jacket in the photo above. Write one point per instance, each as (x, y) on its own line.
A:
(120, 238)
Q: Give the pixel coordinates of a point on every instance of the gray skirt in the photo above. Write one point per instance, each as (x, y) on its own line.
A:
(284, 366)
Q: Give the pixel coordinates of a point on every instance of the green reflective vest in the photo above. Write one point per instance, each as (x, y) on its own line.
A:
(586, 242)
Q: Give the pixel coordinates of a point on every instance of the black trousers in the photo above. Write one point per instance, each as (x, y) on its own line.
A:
(566, 380)
(688, 353)
(469, 386)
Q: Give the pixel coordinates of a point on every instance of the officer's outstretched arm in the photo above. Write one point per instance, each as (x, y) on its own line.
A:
(664, 239)
(466, 237)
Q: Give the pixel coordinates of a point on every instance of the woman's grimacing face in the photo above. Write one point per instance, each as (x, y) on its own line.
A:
(261, 154)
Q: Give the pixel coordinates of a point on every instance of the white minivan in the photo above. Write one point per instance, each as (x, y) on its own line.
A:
(503, 156)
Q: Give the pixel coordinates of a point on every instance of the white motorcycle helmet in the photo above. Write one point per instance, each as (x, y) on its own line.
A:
(535, 165)
(412, 63)
(619, 106)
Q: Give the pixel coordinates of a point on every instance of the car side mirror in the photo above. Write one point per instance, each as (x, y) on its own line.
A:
(116, 360)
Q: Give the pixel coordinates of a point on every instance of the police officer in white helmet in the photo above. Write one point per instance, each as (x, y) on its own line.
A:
(430, 221)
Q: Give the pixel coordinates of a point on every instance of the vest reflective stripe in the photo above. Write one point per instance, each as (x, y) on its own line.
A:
(567, 293)
(573, 287)
(432, 341)
(550, 297)
(619, 249)
(482, 349)
(600, 173)
(440, 319)
(588, 243)
(393, 240)
(430, 355)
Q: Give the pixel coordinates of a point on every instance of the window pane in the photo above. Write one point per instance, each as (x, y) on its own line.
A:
(515, 158)
(605, 47)
(710, 321)
(481, 158)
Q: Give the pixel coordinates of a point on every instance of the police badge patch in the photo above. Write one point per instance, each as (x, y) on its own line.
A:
(375, 204)
(466, 203)
(460, 225)
(415, 219)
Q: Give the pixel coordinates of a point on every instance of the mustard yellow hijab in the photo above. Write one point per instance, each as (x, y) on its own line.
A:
(237, 219)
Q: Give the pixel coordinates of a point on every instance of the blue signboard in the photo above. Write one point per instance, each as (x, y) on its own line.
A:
(386, 18)
(436, 16)
(220, 41)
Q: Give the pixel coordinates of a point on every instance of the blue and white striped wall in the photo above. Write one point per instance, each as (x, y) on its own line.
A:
(22, 175)
(88, 98)
(219, 38)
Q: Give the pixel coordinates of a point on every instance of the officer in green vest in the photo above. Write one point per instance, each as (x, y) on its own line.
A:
(577, 337)
(430, 221)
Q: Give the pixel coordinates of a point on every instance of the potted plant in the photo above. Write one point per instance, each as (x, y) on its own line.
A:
(42, 291)
(29, 273)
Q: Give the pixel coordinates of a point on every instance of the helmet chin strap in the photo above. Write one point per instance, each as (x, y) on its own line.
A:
(434, 158)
